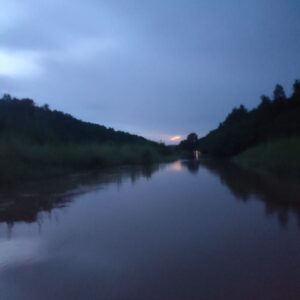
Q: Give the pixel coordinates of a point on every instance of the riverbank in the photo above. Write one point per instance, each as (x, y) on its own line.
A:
(38, 142)
(25, 161)
(280, 156)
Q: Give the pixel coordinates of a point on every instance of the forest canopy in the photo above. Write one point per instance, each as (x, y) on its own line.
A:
(275, 117)
(22, 118)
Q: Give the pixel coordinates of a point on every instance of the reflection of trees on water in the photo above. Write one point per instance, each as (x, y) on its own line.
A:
(26, 203)
(280, 195)
(192, 165)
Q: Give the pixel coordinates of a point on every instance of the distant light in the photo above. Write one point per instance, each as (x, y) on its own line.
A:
(175, 138)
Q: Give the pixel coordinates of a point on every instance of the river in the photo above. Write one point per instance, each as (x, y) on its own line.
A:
(183, 230)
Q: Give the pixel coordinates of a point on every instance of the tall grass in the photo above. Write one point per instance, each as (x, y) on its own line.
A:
(20, 159)
(279, 156)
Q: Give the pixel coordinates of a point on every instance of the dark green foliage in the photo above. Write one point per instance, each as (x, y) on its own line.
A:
(19, 160)
(41, 125)
(190, 144)
(296, 87)
(279, 93)
(242, 129)
(278, 156)
(37, 142)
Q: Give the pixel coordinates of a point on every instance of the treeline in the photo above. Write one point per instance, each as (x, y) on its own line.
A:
(275, 117)
(39, 124)
(37, 142)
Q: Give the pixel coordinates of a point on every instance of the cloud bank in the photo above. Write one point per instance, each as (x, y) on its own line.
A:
(156, 68)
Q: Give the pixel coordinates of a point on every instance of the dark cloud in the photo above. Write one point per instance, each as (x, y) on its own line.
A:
(156, 68)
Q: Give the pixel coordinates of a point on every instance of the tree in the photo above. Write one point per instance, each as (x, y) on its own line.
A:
(46, 107)
(279, 93)
(192, 138)
(190, 143)
(243, 129)
(7, 97)
(265, 101)
(236, 115)
(296, 88)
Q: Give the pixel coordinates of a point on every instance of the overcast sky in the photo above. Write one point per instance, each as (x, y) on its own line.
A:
(158, 68)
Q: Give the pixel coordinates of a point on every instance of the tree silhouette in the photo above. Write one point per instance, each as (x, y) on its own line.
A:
(243, 129)
(279, 93)
(22, 118)
(296, 89)
(265, 101)
(190, 144)
(192, 138)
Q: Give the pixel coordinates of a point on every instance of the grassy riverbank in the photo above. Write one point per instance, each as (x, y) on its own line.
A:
(265, 138)
(281, 156)
(37, 142)
(24, 161)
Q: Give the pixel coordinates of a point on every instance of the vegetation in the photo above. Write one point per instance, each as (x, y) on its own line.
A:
(278, 117)
(38, 142)
(40, 125)
(265, 137)
(278, 156)
(189, 145)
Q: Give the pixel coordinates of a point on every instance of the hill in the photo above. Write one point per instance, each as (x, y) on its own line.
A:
(36, 141)
(274, 118)
(22, 118)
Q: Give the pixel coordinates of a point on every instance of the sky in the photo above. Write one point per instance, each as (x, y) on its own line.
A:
(159, 68)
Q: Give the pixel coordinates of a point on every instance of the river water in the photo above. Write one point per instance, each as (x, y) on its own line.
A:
(183, 230)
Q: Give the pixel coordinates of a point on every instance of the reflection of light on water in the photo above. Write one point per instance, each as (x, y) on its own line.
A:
(176, 166)
(17, 252)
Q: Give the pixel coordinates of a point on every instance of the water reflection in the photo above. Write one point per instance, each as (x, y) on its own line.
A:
(180, 235)
(177, 166)
(280, 195)
(192, 165)
(26, 203)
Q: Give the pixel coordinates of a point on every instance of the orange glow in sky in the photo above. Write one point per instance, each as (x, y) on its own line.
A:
(175, 138)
